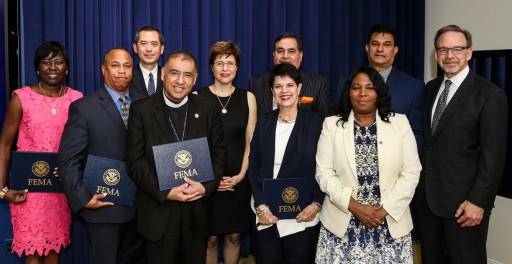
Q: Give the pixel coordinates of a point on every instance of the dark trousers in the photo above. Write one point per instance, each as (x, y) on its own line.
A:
(179, 244)
(443, 240)
(298, 248)
(116, 243)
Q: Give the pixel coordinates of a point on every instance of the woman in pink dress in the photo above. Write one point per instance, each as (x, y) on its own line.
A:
(37, 114)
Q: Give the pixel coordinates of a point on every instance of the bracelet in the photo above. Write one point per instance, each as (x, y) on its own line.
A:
(3, 191)
(260, 212)
(318, 206)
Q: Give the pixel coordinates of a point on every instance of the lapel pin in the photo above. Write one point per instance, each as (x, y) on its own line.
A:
(196, 115)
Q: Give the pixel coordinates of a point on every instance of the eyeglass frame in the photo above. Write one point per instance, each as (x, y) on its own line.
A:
(455, 50)
(229, 64)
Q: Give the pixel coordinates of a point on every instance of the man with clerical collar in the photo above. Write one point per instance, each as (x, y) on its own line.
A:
(149, 46)
(315, 94)
(176, 222)
(97, 126)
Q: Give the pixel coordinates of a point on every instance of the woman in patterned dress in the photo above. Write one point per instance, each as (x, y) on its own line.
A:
(368, 166)
(37, 114)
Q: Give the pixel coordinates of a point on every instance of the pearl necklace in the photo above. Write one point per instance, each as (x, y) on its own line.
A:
(52, 106)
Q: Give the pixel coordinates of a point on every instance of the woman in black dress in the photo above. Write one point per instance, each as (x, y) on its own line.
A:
(231, 202)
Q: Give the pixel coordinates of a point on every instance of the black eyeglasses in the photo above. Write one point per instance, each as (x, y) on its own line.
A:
(455, 50)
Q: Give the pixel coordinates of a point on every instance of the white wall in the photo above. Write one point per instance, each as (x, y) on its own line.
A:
(490, 23)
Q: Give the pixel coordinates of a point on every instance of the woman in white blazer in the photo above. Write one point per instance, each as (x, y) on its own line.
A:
(368, 166)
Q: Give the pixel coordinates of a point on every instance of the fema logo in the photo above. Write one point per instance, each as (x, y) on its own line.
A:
(40, 168)
(290, 195)
(111, 177)
(183, 159)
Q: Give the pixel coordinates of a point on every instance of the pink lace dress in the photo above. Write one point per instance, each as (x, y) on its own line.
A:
(42, 223)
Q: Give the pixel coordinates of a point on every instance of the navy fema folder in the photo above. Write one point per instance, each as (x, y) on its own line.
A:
(34, 171)
(104, 175)
(175, 161)
(287, 197)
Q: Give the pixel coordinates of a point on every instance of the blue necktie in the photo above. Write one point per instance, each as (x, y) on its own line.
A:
(151, 84)
(441, 105)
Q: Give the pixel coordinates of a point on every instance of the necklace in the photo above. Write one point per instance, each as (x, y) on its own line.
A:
(286, 121)
(224, 110)
(184, 126)
(52, 106)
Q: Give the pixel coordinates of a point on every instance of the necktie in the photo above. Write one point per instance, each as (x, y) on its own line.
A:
(151, 84)
(125, 109)
(441, 105)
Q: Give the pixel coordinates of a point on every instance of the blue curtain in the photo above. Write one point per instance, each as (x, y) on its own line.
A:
(334, 32)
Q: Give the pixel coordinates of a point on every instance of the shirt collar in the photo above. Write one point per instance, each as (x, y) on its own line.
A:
(385, 73)
(459, 78)
(173, 104)
(115, 95)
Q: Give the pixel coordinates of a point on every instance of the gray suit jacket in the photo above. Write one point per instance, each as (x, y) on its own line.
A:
(94, 127)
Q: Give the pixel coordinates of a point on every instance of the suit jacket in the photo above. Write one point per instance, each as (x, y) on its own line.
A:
(138, 86)
(464, 159)
(148, 126)
(399, 172)
(299, 155)
(313, 85)
(94, 127)
(408, 98)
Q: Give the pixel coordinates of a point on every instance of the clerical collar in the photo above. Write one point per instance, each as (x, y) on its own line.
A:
(173, 104)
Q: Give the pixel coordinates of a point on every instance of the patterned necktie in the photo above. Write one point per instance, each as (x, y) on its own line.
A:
(151, 84)
(441, 105)
(125, 109)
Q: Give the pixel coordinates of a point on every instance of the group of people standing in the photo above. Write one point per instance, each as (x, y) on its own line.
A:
(363, 154)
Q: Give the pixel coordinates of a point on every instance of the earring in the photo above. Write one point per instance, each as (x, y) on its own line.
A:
(66, 72)
(37, 72)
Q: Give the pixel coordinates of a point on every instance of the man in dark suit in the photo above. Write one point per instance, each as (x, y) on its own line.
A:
(316, 92)
(176, 222)
(149, 45)
(464, 155)
(407, 93)
(95, 127)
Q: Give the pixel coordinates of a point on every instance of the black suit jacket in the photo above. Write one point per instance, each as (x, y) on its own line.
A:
(313, 85)
(299, 156)
(148, 126)
(464, 159)
(94, 127)
(138, 86)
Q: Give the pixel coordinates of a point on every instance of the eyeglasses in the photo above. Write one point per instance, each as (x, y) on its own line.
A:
(455, 50)
(220, 64)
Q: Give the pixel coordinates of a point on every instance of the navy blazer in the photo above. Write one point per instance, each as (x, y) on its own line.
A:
(299, 157)
(313, 85)
(408, 98)
(138, 86)
(94, 127)
(465, 158)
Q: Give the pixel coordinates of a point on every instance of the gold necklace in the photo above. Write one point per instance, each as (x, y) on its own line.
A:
(286, 121)
(224, 110)
(53, 111)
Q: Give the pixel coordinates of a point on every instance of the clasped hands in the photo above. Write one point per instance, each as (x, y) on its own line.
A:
(371, 216)
(187, 192)
(228, 183)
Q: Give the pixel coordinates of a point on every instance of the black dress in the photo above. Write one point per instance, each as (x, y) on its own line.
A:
(231, 210)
